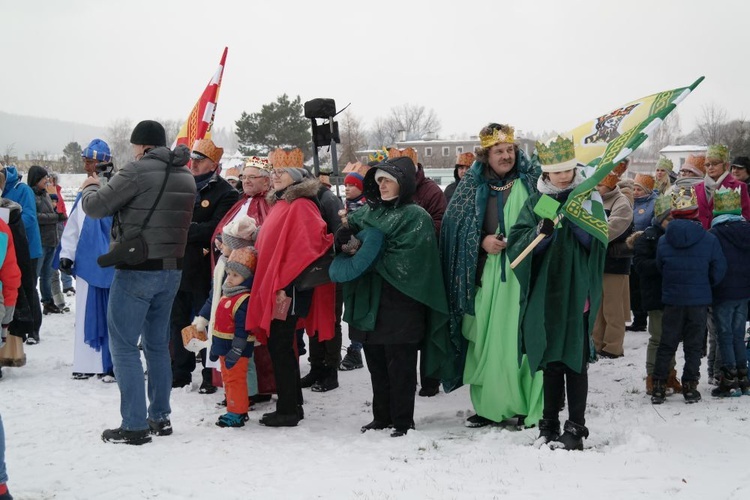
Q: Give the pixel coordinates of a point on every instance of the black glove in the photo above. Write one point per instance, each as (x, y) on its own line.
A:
(546, 227)
(61, 217)
(66, 266)
(238, 345)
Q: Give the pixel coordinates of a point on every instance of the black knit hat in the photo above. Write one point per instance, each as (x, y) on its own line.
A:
(149, 133)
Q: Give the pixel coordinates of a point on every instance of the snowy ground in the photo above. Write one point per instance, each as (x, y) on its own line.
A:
(53, 426)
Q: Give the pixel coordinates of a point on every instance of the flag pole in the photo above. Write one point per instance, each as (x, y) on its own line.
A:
(533, 244)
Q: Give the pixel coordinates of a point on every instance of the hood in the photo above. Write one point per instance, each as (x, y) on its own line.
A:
(420, 174)
(306, 188)
(736, 233)
(11, 177)
(181, 155)
(644, 200)
(36, 174)
(455, 173)
(15, 209)
(682, 233)
(402, 168)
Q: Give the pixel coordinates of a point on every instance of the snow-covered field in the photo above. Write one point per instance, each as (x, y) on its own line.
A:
(53, 426)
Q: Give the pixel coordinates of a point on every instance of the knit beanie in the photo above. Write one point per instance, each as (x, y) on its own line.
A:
(242, 261)
(149, 133)
(97, 150)
(297, 174)
(355, 180)
(238, 233)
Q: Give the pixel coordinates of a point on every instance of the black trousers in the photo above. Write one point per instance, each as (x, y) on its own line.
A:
(558, 377)
(393, 372)
(328, 353)
(285, 365)
(185, 307)
(686, 324)
(639, 315)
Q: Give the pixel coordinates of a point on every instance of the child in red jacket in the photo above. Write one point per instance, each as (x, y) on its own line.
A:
(10, 278)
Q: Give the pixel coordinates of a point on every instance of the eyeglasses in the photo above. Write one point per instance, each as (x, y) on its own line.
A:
(713, 163)
(243, 177)
(278, 172)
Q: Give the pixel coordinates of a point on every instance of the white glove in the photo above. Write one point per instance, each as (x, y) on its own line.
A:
(200, 323)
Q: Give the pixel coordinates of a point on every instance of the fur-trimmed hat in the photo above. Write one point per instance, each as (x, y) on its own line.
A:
(238, 233)
(207, 148)
(645, 181)
(695, 164)
(243, 261)
(97, 150)
(149, 133)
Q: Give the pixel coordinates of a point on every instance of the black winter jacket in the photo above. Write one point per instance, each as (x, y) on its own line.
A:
(644, 261)
(734, 238)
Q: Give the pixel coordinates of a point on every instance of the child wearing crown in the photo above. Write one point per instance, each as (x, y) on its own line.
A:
(690, 261)
(732, 293)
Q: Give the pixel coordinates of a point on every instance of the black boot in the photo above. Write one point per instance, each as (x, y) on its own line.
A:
(659, 393)
(352, 360)
(572, 438)
(690, 391)
(375, 425)
(328, 382)
(728, 384)
(743, 381)
(316, 373)
(549, 430)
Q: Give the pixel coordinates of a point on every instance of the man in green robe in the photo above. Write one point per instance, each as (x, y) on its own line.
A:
(483, 293)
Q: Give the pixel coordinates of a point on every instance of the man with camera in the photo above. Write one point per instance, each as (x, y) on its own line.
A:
(152, 201)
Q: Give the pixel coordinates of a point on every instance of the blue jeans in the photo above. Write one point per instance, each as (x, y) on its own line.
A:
(729, 318)
(140, 303)
(44, 272)
(3, 471)
(67, 281)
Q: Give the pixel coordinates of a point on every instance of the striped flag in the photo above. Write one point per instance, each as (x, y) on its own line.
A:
(201, 118)
(605, 141)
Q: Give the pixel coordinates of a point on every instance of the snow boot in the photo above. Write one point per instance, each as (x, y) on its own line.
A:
(729, 386)
(230, 419)
(690, 391)
(4, 493)
(316, 373)
(375, 425)
(743, 381)
(659, 392)
(352, 360)
(275, 419)
(160, 428)
(673, 382)
(549, 430)
(649, 384)
(121, 436)
(476, 421)
(572, 437)
(328, 382)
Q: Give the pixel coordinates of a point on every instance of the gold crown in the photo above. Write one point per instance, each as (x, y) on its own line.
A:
(260, 162)
(560, 150)
(287, 159)
(684, 199)
(380, 155)
(505, 134)
(408, 152)
(728, 201)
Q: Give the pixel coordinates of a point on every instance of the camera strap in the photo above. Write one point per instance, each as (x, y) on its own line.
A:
(161, 191)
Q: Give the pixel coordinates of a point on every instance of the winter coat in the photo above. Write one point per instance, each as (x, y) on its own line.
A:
(45, 212)
(233, 317)
(690, 261)
(429, 196)
(10, 273)
(22, 194)
(644, 262)
(330, 204)
(449, 190)
(734, 238)
(132, 191)
(210, 205)
(643, 211)
(620, 222)
(706, 206)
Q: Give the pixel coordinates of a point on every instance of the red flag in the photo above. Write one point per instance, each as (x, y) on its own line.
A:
(201, 119)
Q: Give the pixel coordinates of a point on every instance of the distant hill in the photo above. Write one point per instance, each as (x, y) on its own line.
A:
(26, 134)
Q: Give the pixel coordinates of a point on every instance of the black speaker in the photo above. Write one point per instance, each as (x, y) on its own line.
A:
(320, 108)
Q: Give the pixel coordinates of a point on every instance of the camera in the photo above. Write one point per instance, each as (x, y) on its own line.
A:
(105, 168)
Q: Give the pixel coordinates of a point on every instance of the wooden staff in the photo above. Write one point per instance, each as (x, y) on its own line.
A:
(533, 244)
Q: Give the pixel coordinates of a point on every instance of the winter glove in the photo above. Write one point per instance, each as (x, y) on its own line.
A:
(238, 345)
(212, 355)
(351, 246)
(66, 266)
(546, 227)
(61, 217)
(200, 323)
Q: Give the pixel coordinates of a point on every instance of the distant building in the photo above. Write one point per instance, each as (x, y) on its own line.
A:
(678, 154)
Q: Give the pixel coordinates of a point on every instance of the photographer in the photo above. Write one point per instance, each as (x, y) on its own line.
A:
(152, 203)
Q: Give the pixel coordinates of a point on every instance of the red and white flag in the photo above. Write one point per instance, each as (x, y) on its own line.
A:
(201, 119)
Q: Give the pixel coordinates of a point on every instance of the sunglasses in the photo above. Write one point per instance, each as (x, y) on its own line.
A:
(197, 157)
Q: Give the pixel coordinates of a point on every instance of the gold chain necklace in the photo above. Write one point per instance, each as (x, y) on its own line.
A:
(502, 188)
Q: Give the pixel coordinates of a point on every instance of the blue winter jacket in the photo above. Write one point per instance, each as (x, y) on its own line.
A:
(643, 211)
(22, 194)
(734, 238)
(690, 261)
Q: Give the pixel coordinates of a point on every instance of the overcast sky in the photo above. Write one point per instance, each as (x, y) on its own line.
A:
(536, 64)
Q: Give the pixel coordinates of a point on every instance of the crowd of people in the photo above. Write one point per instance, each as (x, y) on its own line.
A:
(229, 272)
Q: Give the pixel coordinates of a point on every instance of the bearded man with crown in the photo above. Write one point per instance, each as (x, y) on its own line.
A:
(483, 293)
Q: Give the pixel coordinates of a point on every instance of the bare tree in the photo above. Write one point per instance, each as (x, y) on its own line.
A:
(118, 138)
(711, 127)
(414, 120)
(737, 137)
(172, 128)
(381, 133)
(10, 154)
(668, 133)
(353, 137)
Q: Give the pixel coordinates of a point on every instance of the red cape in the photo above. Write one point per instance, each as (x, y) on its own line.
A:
(294, 235)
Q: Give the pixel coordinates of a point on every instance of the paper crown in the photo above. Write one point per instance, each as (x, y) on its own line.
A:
(243, 261)
(505, 134)
(356, 168)
(557, 155)
(408, 152)
(287, 159)
(260, 162)
(379, 156)
(207, 148)
(646, 181)
(662, 205)
(695, 164)
(684, 200)
(232, 174)
(728, 201)
(718, 152)
(465, 159)
(665, 164)
(613, 177)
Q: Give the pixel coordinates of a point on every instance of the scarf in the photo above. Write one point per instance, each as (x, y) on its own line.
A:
(201, 181)
(711, 184)
(544, 186)
(231, 291)
(721, 219)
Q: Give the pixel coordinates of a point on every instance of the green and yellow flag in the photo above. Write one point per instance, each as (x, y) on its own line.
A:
(605, 141)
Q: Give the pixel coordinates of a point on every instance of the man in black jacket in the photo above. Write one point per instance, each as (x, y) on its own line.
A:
(215, 196)
(151, 199)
